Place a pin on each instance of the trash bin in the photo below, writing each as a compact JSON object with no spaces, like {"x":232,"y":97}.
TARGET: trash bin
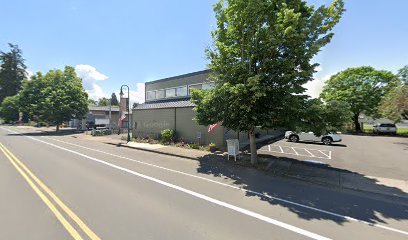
{"x":233,"y":148}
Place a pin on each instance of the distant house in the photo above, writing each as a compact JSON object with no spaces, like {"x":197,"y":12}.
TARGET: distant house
{"x":96,"y":113}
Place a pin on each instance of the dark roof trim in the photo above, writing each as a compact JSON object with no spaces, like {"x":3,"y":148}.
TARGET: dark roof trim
{"x":180,"y":76}
{"x":160,"y":105}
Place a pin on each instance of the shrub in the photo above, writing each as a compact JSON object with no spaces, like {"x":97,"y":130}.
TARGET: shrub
{"x":193,"y":146}
{"x":167,"y":135}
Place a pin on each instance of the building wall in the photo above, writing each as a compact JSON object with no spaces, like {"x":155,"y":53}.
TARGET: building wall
{"x":187,"y":79}
{"x":151,"y":122}
{"x":188,"y":129}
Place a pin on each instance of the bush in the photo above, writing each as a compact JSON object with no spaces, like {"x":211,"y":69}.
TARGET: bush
{"x":167,"y":135}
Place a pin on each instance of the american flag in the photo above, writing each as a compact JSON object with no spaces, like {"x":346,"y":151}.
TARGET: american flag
{"x":121,"y":120}
{"x":212,"y":127}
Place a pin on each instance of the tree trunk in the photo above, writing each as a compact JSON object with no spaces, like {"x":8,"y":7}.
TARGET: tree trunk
{"x":252,"y":144}
{"x":356,"y":123}
{"x":58,"y":127}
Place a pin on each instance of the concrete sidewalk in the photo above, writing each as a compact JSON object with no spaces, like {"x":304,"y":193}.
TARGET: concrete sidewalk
{"x":314,"y":173}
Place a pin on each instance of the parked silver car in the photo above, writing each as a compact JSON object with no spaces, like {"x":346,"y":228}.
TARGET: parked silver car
{"x":385,"y":128}
{"x":311,"y":137}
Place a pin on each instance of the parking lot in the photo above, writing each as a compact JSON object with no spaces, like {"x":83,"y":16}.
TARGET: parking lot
{"x":380,"y":156}
{"x":298,"y":151}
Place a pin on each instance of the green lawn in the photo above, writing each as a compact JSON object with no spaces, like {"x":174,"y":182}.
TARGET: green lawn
{"x":402,"y":131}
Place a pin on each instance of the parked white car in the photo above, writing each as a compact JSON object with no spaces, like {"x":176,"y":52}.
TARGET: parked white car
{"x":385,"y":128}
{"x":311,"y":137}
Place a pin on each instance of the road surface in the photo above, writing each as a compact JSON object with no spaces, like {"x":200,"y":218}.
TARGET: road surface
{"x":67,"y":187}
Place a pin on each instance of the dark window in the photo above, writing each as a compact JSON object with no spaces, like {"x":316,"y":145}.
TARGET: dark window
{"x":387,"y":125}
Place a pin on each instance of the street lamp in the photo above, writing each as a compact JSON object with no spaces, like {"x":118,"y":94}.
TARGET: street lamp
{"x":128,"y":103}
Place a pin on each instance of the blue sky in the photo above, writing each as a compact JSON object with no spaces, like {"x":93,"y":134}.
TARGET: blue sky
{"x":130,"y":42}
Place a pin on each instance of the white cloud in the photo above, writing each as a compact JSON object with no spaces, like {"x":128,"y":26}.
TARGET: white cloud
{"x":138,"y":95}
{"x":90,"y":76}
{"x":315,"y":87}
{"x":319,"y":68}
{"x":29,"y":74}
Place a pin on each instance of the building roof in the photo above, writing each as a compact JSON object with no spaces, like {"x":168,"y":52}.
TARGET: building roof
{"x":180,"y":76}
{"x":103,"y":108}
{"x":165,"y":104}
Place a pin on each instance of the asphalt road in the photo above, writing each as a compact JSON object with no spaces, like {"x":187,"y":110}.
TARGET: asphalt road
{"x":65,"y":187}
{"x":379,"y":156}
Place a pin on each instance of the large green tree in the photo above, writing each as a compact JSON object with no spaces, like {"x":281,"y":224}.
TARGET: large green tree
{"x":55,"y":97}
{"x":12,"y":71}
{"x":261,"y":56}
{"x":9,"y":109}
{"x":362,"y":88}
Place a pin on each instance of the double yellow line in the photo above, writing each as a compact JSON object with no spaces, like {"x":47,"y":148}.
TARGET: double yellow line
{"x":37,"y":186}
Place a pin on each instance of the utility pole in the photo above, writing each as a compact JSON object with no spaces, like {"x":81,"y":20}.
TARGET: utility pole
{"x":128,"y":109}
{"x":110,"y":114}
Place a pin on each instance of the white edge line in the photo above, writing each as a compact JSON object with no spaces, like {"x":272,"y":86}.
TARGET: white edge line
{"x":195,"y":194}
{"x":235,"y":187}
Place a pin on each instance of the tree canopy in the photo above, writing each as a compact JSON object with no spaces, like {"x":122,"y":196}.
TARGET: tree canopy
{"x":261,"y":56}
{"x":103,"y":101}
{"x":362,"y":88}
{"x":395,"y":104}
{"x":12,"y":71}
{"x":114,"y":100}
{"x":55,"y":97}
{"x":323,"y":118}
{"x":403,"y":74}
{"x":91,"y":101}
{"x":9,"y":108}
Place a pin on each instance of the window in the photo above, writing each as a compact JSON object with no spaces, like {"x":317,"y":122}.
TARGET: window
{"x":170,"y":92}
{"x":195,"y":86}
{"x":182,"y":91}
{"x":208,"y":86}
{"x":151,"y":95}
{"x":160,"y":94}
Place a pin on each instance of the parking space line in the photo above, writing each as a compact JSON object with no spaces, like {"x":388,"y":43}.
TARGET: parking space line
{"x":280,"y":148}
{"x":326,"y":154}
{"x":296,"y":153}
{"x":309,"y":153}
{"x":329,"y":157}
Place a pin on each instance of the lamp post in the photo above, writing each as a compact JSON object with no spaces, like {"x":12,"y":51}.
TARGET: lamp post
{"x":128,"y":106}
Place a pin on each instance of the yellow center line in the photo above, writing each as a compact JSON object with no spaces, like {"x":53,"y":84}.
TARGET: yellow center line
{"x":17,"y":164}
